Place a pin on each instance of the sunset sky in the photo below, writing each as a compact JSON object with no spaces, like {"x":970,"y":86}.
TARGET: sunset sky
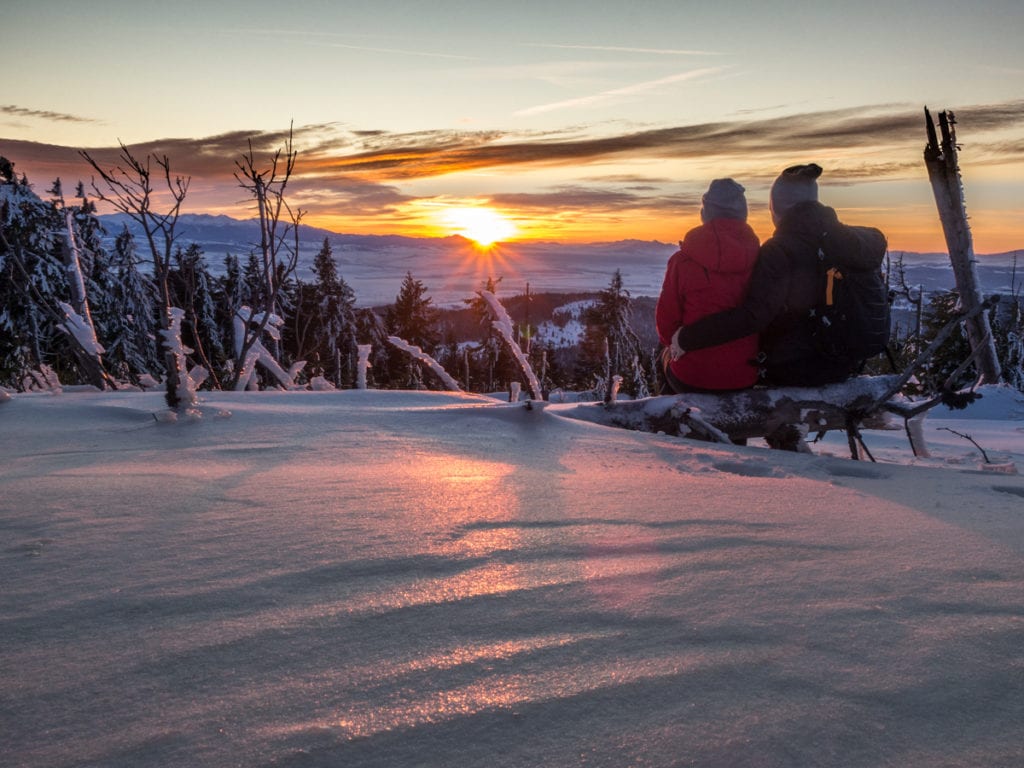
{"x":576,"y":120}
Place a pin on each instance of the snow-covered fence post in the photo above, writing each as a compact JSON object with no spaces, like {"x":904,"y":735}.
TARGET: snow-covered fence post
{"x":423,"y":357}
{"x":364,"y":364}
{"x":502,"y":323}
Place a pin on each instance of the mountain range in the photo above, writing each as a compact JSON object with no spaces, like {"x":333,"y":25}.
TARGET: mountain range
{"x":452,"y":268}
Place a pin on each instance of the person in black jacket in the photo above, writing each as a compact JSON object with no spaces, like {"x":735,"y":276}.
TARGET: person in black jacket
{"x":786,"y":285}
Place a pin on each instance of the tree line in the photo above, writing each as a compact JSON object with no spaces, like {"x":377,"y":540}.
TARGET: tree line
{"x":154,"y":312}
{"x":150,"y":311}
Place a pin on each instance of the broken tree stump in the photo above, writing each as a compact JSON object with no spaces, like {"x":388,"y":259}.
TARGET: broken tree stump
{"x":940,"y":157}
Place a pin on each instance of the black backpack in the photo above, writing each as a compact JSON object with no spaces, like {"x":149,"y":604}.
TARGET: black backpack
{"x":851,"y":320}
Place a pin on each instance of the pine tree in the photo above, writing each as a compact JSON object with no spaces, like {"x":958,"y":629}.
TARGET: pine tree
{"x":942,"y":306}
{"x":192,"y":290}
{"x":1008,"y":329}
{"x":254,"y":284}
{"x":608,"y":320}
{"x":229,"y":295}
{"x":32,"y":283}
{"x":334,"y":330}
{"x":130,"y":335}
{"x":413,"y":319}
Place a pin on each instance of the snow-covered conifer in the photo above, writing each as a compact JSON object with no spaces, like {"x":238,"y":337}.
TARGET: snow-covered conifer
{"x":32,"y":283}
{"x":413,"y":318}
{"x":191,"y":287}
{"x":131,"y":344}
{"x":609,"y":320}
{"x":333,"y":321}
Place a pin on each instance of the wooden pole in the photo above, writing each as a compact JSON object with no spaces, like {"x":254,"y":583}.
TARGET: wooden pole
{"x":944,"y":174}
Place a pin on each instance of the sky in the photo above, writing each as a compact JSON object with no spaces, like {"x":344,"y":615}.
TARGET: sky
{"x":572,"y":121}
{"x":376,"y":579}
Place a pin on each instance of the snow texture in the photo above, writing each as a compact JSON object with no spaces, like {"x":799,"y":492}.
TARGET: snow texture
{"x":383,"y":578}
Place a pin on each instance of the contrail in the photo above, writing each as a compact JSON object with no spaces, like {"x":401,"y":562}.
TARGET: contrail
{"x":616,"y":92}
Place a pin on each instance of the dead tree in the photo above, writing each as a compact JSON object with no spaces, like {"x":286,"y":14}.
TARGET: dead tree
{"x":279,"y":240}
{"x":129,"y":188}
{"x":944,"y":173}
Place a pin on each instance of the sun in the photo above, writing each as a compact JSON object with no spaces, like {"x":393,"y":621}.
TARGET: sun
{"x":484,"y":226}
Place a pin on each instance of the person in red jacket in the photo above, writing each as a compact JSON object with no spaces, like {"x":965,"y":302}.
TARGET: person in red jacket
{"x":710,"y":273}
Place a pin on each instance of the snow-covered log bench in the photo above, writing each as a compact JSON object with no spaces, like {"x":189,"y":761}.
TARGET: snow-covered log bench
{"x":782,"y":415}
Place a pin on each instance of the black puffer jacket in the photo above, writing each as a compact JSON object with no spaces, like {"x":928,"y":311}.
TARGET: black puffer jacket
{"x":785,"y":287}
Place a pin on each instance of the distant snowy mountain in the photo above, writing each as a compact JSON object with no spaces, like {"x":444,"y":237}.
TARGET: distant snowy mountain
{"x":453,"y":268}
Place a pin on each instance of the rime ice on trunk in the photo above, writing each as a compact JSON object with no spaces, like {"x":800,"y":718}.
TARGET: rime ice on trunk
{"x":613,"y":390}
{"x":427,"y":360}
{"x":78,"y":319}
{"x":503,"y":325}
{"x":944,"y":173}
{"x":363,"y":365}
{"x":185,"y":390}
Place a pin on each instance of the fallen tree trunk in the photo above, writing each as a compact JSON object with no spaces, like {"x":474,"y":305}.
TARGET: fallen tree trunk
{"x":761,"y":412}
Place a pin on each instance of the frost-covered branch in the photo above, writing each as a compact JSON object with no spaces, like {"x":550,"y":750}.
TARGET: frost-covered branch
{"x":255,"y":352}
{"x":503,"y":325}
{"x":427,"y":360}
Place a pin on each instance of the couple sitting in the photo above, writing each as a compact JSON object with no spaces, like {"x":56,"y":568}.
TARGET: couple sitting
{"x":732,"y":312}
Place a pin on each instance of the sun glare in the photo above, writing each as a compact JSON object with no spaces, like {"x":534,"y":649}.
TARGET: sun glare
{"x":483,"y":226}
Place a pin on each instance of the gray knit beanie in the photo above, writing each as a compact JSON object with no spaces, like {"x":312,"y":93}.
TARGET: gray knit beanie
{"x":796,"y":184}
{"x":723,"y":200}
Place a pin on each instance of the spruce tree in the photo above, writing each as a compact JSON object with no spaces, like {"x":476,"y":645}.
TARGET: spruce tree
{"x":131,"y":344}
{"x":229,"y":295}
{"x":192,"y":287}
{"x":334,"y":319}
{"x":32,"y":283}
{"x":413,"y":319}
{"x":608,"y":320}
{"x":942,"y":306}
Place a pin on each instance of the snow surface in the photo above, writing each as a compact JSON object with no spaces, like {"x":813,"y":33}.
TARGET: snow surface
{"x":380,"y":578}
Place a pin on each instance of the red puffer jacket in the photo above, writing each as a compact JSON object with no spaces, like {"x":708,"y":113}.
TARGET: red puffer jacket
{"x":709,"y":273}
